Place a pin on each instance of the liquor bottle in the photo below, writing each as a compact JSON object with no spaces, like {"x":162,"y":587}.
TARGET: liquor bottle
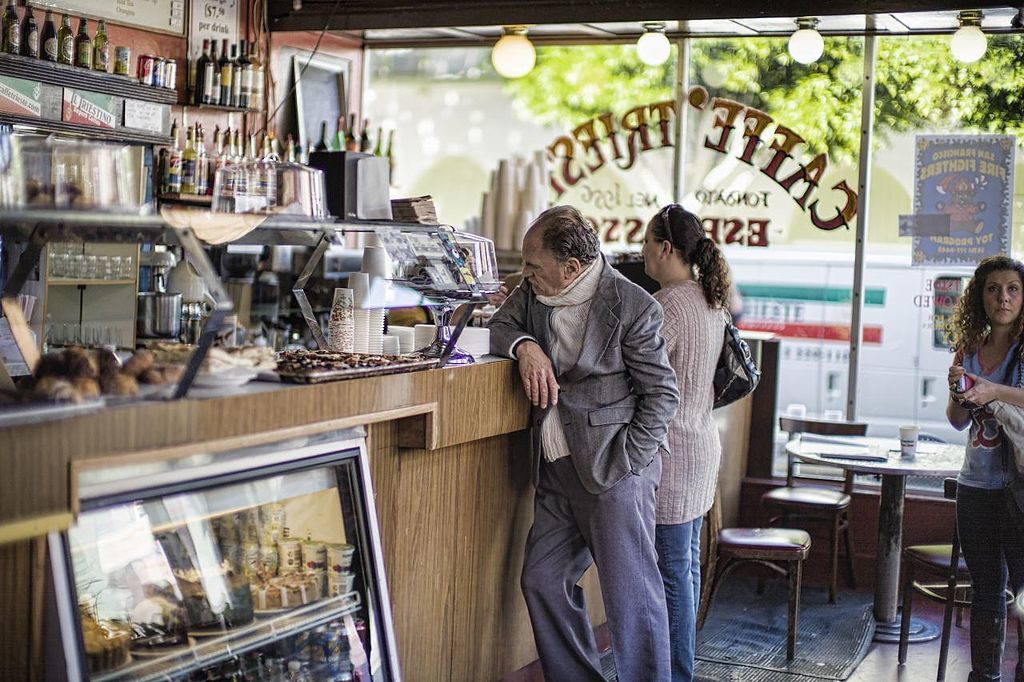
{"x":172,"y":172}
{"x":224,"y":97}
{"x":364,"y":136}
{"x":65,"y":42}
{"x":101,"y":49}
{"x":378,"y":149}
{"x":219,"y":159}
{"x":199,"y":92}
{"x":49,"y":38}
{"x":188,"y":164}
{"x":202,"y":164}
{"x":256,"y":78}
{"x":252,"y":152}
{"x":214,"y":83}
{"x":236,"y":155}
{"x":83,"y":45}
{"x":321,"y":146}
{"x":236,"y":78}
{"x":244,"y":74}
{"x":351,"y":141}
{"x":29,"y":34}
{"x":289,"y":149}
{"x":390,"y":153}
{"x":11,"y":40}
{"x":340,"y":135}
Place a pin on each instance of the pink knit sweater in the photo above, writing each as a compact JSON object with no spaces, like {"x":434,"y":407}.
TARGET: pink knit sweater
{"x":693,"y":334}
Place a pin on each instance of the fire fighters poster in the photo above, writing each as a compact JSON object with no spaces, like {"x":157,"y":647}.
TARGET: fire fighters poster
{"x":967,"y":180}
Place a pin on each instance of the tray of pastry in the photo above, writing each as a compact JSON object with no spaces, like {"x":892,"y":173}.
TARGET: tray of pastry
{"x":316,"y":366}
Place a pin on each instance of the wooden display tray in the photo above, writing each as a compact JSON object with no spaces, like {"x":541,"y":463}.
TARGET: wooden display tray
{"x":317,"y":376}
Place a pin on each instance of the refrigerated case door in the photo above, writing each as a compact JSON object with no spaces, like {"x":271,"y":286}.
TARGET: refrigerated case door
{"x":217,"y":564}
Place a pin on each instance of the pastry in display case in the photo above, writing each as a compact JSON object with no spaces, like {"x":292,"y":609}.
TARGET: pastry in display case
{"x":261,"y":563}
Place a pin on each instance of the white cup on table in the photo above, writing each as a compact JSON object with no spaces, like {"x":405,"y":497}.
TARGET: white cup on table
{"x":908,"y":441}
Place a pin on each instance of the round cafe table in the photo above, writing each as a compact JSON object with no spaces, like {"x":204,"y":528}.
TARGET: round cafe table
{"x":933,"y":459}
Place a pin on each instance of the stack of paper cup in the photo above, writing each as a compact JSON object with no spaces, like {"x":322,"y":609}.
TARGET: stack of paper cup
{"x":359,"y":282}
{"x":341,"y":327}
{"x":375,"y":262}
{"x":390,"y":345}
{"x":406,"y":338}
{"x":375,"y":331}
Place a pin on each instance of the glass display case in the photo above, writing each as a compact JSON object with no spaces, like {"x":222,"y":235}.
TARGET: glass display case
{"x":259,"y":564}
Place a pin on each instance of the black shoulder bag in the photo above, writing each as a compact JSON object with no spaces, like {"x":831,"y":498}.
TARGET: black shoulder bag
{"x":736,"y":374}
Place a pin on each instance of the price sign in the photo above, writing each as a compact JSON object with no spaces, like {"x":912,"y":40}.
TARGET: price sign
{"x":214,"y":20}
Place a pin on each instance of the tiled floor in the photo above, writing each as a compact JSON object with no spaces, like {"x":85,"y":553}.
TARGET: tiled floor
{"x":880,"y":664}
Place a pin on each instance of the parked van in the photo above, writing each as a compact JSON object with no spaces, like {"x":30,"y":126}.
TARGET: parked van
{"x":804,"y":297}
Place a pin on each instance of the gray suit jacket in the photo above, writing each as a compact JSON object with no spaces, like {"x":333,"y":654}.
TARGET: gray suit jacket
{"x":615,"y":403}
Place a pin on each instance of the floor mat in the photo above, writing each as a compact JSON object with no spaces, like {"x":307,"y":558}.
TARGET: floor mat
{"x":744,"y":637}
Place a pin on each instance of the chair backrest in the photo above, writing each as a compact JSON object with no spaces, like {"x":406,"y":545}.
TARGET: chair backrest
{"x":821,"y":427}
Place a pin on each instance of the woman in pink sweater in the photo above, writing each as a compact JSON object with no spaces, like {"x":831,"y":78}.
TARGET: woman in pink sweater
{"x":694,"y":295}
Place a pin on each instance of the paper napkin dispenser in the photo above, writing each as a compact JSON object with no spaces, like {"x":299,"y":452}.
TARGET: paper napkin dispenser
{"x":357,"y":184}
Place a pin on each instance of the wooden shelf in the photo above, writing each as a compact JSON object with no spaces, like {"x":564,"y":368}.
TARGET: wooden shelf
{"x":43,"y":71}
{"x":119,"y":134}
{"x":193,"y":199}
{"x":63,"y":282}
{"x":218,"y":107}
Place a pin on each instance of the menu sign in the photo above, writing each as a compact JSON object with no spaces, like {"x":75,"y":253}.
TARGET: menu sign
{"x":214,"y":20}
{"x":166,"y":16}
{"x":966,"y":180}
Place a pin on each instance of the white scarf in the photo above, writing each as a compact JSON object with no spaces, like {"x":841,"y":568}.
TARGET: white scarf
{"x":568,"y":326}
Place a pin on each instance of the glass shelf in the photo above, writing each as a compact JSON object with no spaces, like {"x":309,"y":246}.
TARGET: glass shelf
{"x":211,"y":651}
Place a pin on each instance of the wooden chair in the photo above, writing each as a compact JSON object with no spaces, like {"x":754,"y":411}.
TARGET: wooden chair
{"x":796,"y":503}
{"x":782,"y":550}
{"x":935,"y":561}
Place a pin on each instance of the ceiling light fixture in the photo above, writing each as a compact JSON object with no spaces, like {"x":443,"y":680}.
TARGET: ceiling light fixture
{"x":513,"y":55}
{"x":653,"y":47}
{"x":806,"y":44}
{"x":968,"y":44}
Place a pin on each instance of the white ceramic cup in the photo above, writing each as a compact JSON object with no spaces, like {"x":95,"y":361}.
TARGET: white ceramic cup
{"x":908,"y":441}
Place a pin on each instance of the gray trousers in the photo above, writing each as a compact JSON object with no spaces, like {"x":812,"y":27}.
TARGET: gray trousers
{"x":614,"y":530}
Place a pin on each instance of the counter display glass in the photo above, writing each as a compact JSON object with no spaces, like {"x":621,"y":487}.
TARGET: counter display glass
{"x":232,"y":572}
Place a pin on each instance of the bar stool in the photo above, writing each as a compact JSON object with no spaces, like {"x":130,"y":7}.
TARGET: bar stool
{"x":795,"y":503}
{"x":782,"y":550}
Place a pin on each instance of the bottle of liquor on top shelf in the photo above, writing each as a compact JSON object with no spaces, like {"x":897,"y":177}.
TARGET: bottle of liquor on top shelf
{"x":199,"y":95}
{"x":224,"y":97}
{"x":364,"y":136}
{"x":65,"y":42}
{"x":321,"y":146}
{"x":83,"y":45}
{"x":101,"y":49}
{"x":10,"y":42}
{"x":245,"y":77}
{"x":214,"y":68}
{"x":49,"y":38}
{"x":29,"y":34}
{"x":236,"y":78}
{"x":351,"y":141}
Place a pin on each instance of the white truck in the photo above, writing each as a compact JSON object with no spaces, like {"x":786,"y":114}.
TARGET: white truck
{"x":804,"y":297}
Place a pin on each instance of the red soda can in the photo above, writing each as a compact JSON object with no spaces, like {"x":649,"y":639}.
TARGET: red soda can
{"x":146,"y":69}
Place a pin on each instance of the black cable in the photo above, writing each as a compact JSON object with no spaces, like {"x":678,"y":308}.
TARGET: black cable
{"x":266,"y":125}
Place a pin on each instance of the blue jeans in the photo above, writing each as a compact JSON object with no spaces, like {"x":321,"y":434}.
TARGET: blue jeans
{"x":678,"y":548}
{"x":992,"y":538}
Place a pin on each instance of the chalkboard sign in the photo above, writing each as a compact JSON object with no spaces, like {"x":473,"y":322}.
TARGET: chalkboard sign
{"x":320,"y":94}
{"x":166,"y":16}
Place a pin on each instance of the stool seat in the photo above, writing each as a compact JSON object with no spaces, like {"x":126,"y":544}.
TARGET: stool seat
{"x":807,"y":497}
{"x":782,"y":543}
{"x":936,"y":557}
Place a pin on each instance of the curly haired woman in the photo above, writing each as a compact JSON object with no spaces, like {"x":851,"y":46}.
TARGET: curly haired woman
{"x":694,"y":295}
{"x":987,"y":330}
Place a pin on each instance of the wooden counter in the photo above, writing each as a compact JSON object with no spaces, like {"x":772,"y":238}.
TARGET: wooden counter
{"x":454,"y":508}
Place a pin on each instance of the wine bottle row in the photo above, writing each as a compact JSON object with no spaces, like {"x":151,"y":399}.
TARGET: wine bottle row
{"x":227,"y":81}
